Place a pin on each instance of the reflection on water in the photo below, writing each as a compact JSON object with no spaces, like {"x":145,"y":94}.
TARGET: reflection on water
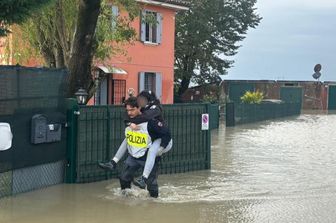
{"x":274,"y":171}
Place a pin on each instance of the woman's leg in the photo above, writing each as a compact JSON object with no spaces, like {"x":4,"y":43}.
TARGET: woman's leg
{"x":121,"y":151}
{"x":153,"y":153}
{"x":167,"y":149}
{"x":151,"y":156}
{"x":111,"y":165}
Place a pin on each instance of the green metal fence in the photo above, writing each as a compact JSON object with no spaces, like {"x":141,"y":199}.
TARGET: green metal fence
{"x":249,"y":113}
{"x":291,"y":94}
{"x":97,"y":132}
{"x":332,"y":97}
{"x":214,"y":116}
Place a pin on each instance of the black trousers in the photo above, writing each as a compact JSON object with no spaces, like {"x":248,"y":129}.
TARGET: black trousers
{"x":132,"y":165}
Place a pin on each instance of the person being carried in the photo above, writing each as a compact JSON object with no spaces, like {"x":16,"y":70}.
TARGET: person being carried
{"x":137,"y":144}
{"x":150,"y":109}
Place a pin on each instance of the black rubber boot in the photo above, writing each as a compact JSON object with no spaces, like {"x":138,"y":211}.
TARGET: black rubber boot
{"x":111,"y":165}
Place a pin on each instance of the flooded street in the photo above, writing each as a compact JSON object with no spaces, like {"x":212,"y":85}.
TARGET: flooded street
{"x":273,"y":171}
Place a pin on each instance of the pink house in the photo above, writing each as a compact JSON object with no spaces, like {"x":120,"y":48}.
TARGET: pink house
{"x":149,"y":62}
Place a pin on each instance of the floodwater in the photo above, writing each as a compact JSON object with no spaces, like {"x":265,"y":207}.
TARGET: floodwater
{"x":274,"y":171}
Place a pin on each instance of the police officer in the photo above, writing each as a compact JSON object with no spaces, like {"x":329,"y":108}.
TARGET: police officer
{"x":151,"y":109}
{"x":137,"y":144}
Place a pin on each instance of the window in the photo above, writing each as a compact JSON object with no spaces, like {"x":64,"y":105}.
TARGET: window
{"x":149,"y":84}
{"x":118,"y":91}
{"x":104,"y":95}
{"x":115,"y":14}
{"x":151,"y":81}
{"x":151,"y":27}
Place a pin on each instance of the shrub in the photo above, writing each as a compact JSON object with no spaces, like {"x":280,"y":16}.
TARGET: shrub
{"x":252,"y":97}
{"x":210,"y":98}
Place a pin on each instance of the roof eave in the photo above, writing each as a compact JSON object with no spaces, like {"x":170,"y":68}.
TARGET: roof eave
{"x":165,"y":5}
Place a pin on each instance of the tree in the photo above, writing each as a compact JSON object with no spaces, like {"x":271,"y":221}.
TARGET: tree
{"x":72,"y":33}
{"x":207,"y":35}
{"x":17,"y":11}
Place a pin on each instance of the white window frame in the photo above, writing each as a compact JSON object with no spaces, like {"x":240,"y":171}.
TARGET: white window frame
{"x":158,"y":29}
{"x":157,"y":83}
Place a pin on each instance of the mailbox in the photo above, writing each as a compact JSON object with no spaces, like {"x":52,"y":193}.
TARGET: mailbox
{"x":54,"y":132}
{"x":39,"y":129}
{"x":44,"y":132}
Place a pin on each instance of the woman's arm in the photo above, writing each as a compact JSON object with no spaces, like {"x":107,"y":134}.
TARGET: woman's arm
{"x":151,"y":113}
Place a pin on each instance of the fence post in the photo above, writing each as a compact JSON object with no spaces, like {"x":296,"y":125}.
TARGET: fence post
{"x":108,"y":133}
{"x":230,"y":114}
{"x":72,"y":118}
{"x":208,"y":141}
{"x":108,"y":142}
{"x":214,"y":116}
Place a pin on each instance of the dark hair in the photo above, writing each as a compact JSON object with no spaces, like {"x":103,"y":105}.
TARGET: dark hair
{"x":145,"y":94}
{"x":131,"y":101}
{"x":150,"y":96}
{"x":155,"y":100}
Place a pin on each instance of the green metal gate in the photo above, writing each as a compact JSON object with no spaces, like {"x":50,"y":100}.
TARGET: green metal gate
{"x":291,"y":94}
{"x":214,"y":116}
{"x":332,"y":97}
{"x":97,"y":131}
{"x":237,"y":90}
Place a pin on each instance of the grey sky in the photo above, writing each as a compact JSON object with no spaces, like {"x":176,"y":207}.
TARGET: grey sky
{"x":293,"y":36}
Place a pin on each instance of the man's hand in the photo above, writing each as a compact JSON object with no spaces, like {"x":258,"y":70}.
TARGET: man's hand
{"x":134,"y":127}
